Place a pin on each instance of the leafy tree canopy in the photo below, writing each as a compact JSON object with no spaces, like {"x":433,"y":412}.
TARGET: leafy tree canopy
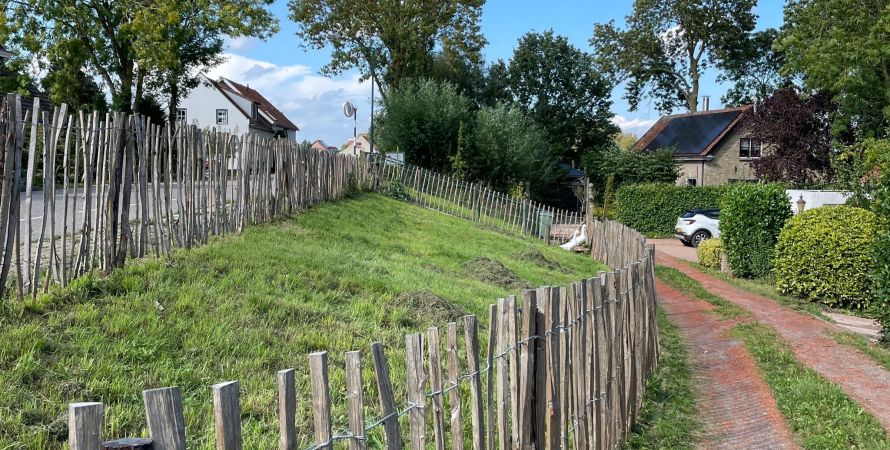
{"x":396,"y":37}
{"x":754,"y":68}
{"x":630,"y":167}
{"x":557,"y":85}
{"x":668,"y":44}
{"x":841,"y":48}
{"x":795,"y":132}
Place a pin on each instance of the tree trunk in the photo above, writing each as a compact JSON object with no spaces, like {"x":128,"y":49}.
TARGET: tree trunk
{"x":173,"y":104}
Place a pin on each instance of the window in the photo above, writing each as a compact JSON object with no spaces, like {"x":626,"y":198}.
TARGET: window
{"x":222,"y":116}
{"x":691,"y":182}
{"x":749,"y":148}
{"x":181,"y":115}
{"x":255,"y":111}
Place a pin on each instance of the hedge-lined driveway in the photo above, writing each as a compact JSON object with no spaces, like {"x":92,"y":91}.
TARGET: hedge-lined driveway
{"x":675,"y":248}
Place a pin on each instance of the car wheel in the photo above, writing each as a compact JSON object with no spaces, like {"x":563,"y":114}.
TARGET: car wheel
{"x":686,"y":243}
{"x":699,"y":236}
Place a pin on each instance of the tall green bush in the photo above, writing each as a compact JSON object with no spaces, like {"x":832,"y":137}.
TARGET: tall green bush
{"x":825,"y":255}
{"x":653,"y":208}
{"x":751,"y":217}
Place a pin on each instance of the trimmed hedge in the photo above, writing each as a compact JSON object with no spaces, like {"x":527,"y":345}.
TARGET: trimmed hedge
{"x":709,"y":253}
{"x":653,"y":208}
{"x":825,"y":255}
{"x":751,"y":217}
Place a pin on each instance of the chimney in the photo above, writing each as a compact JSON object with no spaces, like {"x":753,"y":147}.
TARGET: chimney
{"x":706,"y":103}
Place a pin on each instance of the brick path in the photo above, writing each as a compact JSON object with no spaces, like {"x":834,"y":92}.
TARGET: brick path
{"x":811,"y":339}
{"x":735,"y":404}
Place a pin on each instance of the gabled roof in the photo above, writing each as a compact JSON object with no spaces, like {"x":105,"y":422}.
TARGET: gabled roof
{"x":270,"y":115}
{"x":691,"y":134}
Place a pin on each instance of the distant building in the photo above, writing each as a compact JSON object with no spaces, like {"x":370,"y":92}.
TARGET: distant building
{"x":362,"y":145}
{"x":321,"y":146}
{"x":710,"y":146}
{"x":229,"y":106}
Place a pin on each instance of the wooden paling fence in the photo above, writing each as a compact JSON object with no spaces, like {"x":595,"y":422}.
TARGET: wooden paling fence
{"x":115,"y":185}
{"x":470,"y":201}
{"x":564,"y":367}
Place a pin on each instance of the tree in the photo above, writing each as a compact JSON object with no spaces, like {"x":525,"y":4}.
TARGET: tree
{"x":625,"y":141}
{"x":423,"y":119}
{"x":631,"y":167}
{"x":795,"y":134}
{"x":841,"y":48}
{"x":557,"y":86}
{"x":396,"y":37}
{"x":667,"y":46}
{"x":65,"y":82}
{"x":508,"y":149}
{"x":754,"y":68}
{"x":126,"y":43}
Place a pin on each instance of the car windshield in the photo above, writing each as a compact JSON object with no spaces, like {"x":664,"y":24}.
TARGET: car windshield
{"x":687,"y":214}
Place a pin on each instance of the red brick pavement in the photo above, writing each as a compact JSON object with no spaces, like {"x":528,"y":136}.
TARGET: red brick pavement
{"x":735,"y":404}
{"x":812,"y":341}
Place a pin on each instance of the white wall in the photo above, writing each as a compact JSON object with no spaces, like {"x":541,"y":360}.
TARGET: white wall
{"x":201,"y":105}
{"x":816,"y":199}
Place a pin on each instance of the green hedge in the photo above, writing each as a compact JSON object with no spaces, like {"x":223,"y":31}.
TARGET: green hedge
{"x":653,"y":208}
{"x":751,"y":217}
{"x":825,"y":255}
{"x":709,"y":252}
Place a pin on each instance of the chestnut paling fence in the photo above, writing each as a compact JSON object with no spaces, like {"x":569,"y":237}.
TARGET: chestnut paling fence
{"x":471,"y":201}
{"x":564,"y":367}
{"x":83,"y":191}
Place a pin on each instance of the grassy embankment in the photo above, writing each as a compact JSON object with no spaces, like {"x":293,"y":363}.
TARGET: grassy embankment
{"x":335,"y":278}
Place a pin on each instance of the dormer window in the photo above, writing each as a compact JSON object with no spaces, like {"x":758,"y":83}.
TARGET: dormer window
{"x":255,"y":111}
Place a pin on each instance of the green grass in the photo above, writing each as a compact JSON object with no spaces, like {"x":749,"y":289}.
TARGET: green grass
{"x":876,"y":352}
{"x":668,"y":418}
{"x":763,"y":286}
{"x":818,"y":412}
{"x":242,"y":308}
{"x":681,"y":281}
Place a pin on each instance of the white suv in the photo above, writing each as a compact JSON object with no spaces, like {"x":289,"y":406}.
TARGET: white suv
{"x":696,"y":225}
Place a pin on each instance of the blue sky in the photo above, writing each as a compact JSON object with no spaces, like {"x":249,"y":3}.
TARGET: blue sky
{"x":288,"y":75}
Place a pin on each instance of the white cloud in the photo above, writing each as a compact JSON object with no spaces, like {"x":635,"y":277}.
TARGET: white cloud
{"x":634,"y":125}
{"x":241,"y":43}
{"x":311,"y":101}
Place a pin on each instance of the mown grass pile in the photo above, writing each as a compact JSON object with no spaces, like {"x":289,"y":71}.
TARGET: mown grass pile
{"x":335,"y":278}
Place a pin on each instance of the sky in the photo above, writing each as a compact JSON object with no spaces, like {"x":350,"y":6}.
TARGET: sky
{"x":288,"y":74}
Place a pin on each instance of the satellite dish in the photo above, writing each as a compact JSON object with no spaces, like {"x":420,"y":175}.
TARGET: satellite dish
{"x":348,"y":109}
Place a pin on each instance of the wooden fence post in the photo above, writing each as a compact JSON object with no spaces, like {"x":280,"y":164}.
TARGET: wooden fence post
{"x":163,"y":412}
{"x":227,"y":415}
{"x":287,"y":406}
{"x":354,"y":400}
{"x":416,"y":390}
{"x":457,"y":440}
{"x":391,"y":432}
{"x":471,"y":335}
{"x":85,"y":426}
{"x":321,"y":399}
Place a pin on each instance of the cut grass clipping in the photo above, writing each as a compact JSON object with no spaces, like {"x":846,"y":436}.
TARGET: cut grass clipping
{"x":668,"y":418}
{"x":334,"y":278}
{"x":819,"y":412}
{"x":681,"y":281}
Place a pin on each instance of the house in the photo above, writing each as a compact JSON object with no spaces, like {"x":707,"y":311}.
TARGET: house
{"x":229,"y":106}
{"x":319,"y":145}
{"x":362,"y":145}
{"x":710,"y":146}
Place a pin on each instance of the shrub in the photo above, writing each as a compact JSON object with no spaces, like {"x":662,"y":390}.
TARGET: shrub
{"x":825,"y":255}
{"x":751,"y":217}
{"x":709,"y":253}
{"x":653,"y":208}
{"x":630,"y":167}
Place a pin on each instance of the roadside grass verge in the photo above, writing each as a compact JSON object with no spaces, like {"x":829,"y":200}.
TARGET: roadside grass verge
{"x":819,"y":412}
{"x":763,"y":286}
{"x":875,"y":351}
{"x":336,"y":278}
{"x":668,"y":418}
{"x":681,"y":281}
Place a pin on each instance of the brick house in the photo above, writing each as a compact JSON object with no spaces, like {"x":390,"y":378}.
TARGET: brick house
{"x":710,"y":146}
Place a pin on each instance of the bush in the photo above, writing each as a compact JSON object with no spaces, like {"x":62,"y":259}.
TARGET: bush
{"x":825,"y":255}
{"x":630,"y":167}
{"x":709,"y":252}
{"x":653,"y":208}
{"x":751,"y":217}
